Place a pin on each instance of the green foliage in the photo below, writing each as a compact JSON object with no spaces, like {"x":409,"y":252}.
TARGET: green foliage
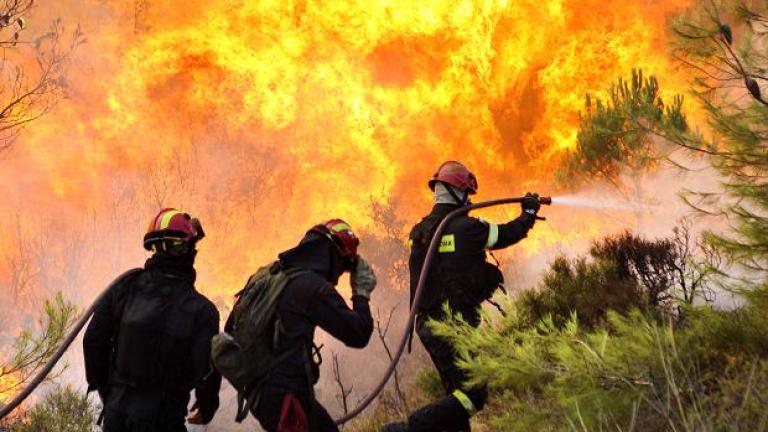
{"x":33,"y":349}
{"x":729,"y":65}
{"x":614,"y":134}
{"x":599,"y":346}
{"x":587,"y":288}
{"x":429,"y":383}
{"x":63,"y":410}
{"x":633,"y":373}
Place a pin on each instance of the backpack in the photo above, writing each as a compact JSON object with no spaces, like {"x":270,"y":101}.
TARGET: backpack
{"x":247,"y":352}
{"x":153,"y":324}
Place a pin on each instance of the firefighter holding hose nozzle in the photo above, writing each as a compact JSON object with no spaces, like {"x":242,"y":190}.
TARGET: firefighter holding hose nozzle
{"x":461,"y":277}
{"x":148,"y":343}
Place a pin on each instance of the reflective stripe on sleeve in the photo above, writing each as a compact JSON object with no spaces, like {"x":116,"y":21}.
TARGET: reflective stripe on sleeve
{"x":493,"y":235}
{"x":465,"y":401}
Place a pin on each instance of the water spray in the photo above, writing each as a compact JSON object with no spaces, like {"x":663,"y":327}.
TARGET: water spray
{"x":41,"y":375}
{"x":583,"y":202}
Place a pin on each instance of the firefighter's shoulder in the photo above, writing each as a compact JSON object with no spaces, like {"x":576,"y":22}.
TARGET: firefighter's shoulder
{"x":466,"y":224}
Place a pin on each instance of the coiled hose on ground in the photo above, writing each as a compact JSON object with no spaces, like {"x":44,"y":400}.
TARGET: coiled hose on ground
{"x":40,"y":376}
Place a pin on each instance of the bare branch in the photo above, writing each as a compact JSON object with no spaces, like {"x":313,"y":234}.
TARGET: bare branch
{"x":343,"y":396}
{"x":30,"y":89}
{"x":382,"y":331}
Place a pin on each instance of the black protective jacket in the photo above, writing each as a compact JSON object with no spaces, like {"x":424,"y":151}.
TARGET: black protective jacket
{"x":310,"y":301}
{"x":188,"y":330}
{"x":460,"y":273}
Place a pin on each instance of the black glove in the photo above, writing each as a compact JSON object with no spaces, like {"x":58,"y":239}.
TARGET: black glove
{"x":531,"y":204}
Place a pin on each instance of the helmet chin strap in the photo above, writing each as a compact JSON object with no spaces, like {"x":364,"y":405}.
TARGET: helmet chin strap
{"x":461,"y":201}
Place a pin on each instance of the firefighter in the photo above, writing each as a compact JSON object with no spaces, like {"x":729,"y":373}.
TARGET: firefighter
{"x":148,"y":343}
{"x":461,"y":276}
{"x":309,"y":300}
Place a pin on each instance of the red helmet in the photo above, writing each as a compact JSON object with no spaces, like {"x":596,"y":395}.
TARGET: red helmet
{"x":172,"y":225}
{"x":455,"y":174}
{"x":341,"y":235}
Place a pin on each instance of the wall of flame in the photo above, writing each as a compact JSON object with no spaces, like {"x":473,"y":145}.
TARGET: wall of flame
{"x":266,"y":117}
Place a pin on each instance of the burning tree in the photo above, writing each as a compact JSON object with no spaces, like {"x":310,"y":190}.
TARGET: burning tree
{"x":32,"y":71}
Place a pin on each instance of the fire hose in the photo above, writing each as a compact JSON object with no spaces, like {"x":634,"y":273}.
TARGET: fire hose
{"x":40,"y":376}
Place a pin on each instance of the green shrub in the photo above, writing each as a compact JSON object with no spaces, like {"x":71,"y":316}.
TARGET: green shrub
{"x":635,"y":372}
{"x":588,"y":288}
{"x":62,"y":410}
{"x":620,"y":273}
{"x":428,"y":382}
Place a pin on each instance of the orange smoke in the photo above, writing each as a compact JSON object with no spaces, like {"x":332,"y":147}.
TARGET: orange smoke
{"x":264,"y":118}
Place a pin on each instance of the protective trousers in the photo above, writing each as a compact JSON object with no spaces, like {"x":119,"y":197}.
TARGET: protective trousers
{"x":452,"y":412}
{"x":115,"y":421}
{"x":275,"y":414}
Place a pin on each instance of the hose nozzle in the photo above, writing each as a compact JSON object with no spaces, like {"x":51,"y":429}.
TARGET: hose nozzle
{"x":545,"y":200}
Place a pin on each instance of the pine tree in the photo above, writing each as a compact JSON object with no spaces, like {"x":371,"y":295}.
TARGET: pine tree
{"x":730,"y":69}
{"x":615,"y":141}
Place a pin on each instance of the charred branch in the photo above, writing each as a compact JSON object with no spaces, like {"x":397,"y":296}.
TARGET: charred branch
{"x":32,"y":71}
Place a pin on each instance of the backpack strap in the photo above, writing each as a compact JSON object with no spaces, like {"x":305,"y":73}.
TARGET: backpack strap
{"x":126,"y":279}
{"x":122,"y":280}
{"x":307,"y":360}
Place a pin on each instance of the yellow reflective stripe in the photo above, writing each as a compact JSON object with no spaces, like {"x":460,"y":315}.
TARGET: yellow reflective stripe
{"x":341,"y":227}
{"x":465,"y":401}
{"x":166,"y":219}
{"x":493,"y":235}
{"x":447,"y":244}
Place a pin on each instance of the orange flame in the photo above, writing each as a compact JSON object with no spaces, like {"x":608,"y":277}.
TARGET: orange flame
{"x":264,"y":118}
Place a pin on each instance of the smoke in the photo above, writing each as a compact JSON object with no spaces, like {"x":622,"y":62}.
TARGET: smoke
{"x":264,"y":119}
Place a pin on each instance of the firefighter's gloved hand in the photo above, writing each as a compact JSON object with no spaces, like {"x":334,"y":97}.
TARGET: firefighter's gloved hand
{"x":362,"y":279}
{"x":531,"y":204}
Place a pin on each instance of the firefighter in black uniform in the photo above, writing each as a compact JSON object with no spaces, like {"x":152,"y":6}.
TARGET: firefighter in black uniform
{"x":310,"y":300}
{"x":149,"y":341}
{"x":460,"y":276}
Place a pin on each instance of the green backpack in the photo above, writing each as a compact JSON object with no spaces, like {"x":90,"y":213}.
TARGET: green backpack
{"x":247,"y":353}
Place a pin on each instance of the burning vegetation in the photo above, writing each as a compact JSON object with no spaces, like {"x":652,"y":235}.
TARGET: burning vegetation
{"x":264,"y":118}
